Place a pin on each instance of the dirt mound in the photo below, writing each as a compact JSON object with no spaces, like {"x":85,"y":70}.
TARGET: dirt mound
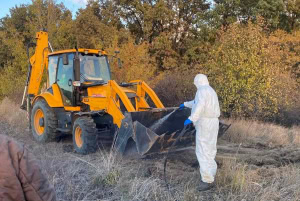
{"x":258,"y":155}
{"x":261,"y":155}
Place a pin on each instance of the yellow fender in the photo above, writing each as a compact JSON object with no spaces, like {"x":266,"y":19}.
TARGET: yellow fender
{"x":53,"y":100}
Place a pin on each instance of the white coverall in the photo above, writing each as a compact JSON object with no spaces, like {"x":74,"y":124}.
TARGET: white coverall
{"x":204,"y":115}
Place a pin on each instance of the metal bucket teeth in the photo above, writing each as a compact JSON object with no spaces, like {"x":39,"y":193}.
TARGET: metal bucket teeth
{"x":151,"y":142}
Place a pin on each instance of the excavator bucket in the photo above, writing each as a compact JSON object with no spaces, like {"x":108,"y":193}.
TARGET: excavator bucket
{"x":155,"y":131}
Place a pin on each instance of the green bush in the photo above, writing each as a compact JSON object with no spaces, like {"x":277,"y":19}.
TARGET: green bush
{"x":248,"y":73}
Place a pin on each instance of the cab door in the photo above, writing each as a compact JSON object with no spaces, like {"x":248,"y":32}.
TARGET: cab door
{"x":65,"y":78}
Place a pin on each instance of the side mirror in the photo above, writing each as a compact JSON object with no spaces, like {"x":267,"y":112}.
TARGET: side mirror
{"x":119,"y":63}
{"x":65,"y":59}
{"x":76,"y":67}
{"x":119,"y":60}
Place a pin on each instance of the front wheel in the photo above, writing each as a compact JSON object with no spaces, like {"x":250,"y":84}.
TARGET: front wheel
{"x":85,"y":135}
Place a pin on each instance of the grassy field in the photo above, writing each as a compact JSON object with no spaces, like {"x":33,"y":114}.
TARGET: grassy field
{"x":257,"y":161}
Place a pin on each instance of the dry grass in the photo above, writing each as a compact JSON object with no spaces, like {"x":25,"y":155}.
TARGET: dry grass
{"x":242,"y":131}
{"x":236,"y":177}
{"x":104,"y":176}
{"x":259,"y":184}
{"x":11,"y":113}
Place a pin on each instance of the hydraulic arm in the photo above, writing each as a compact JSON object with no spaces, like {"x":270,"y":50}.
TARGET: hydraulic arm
{"x":37,"y":63}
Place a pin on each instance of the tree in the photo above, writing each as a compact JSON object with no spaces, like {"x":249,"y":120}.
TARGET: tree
{"x":277,"y":14}
{"x":19,"y":28}
{"x":168,"y":26}
{"x":92,"y":29}
{"x":290,"y":19}
{"x":249,"y":73}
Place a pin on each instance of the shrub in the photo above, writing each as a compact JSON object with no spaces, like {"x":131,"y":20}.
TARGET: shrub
{"x":175,"y":88}
{"x":250,"y":75}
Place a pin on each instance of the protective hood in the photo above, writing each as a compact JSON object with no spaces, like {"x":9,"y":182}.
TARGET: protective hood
{"x":201,"y":80}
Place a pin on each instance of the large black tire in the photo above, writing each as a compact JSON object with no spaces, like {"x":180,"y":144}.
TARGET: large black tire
{"x":43,"y":122}
{"x":85,"y":135}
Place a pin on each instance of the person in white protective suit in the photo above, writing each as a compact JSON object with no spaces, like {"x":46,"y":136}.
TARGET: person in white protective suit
{"x":204,"y":116}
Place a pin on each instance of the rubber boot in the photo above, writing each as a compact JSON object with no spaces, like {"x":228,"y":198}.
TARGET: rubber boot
{"x":203,"y":186}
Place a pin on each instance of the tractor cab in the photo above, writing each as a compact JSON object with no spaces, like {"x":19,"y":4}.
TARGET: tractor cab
{"x":93,"y":70}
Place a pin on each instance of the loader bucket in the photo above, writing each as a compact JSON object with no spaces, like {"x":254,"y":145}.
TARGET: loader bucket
{"x":154,"y":131}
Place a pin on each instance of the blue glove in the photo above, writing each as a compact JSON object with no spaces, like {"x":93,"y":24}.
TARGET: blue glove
{"x":181,"y":106}
{"x":187,"y":122}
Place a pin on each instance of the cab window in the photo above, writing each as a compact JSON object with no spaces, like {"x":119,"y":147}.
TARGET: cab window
{"x":94,"y":68}
{"x":52,"y":68}
{"x":65,"y":79}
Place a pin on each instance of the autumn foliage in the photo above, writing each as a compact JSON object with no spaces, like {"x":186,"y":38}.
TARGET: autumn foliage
{"x":251,"y":53}
{"x":251,"y":71}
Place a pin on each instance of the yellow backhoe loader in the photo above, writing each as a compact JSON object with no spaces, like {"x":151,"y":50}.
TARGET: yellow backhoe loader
{"x":82,"y":100}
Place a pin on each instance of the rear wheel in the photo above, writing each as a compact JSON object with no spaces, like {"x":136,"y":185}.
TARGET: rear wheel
{"x":43,"y":122}
{"x":85,"y":135}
